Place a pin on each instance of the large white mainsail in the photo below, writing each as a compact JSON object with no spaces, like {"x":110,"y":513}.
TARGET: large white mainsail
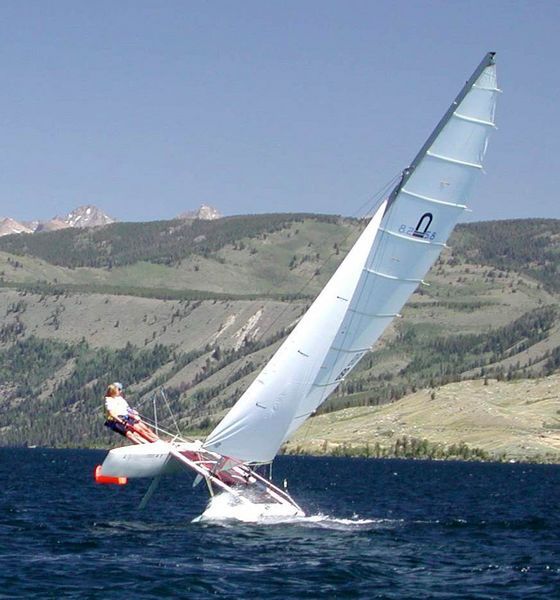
{"x":382,"y":270}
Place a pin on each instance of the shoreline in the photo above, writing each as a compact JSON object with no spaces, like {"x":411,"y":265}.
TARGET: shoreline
{"x":357,"y":452}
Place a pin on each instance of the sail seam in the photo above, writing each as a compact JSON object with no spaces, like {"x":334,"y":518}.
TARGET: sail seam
{"x":373,"y":316}
{"x":474,"y":120}
{"x":409,"y":238}
{"x":434,"y":200}
{"x":350,"y":351}
{"x":303,"y":415}
{"x":394,"y":277}
{"x":455,"y":161}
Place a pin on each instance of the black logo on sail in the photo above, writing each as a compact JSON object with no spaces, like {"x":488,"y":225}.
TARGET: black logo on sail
{"x":423,"y":225}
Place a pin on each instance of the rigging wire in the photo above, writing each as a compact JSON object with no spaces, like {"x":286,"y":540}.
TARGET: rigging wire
{"x":170,"y":411}
{"x":154,"y":405}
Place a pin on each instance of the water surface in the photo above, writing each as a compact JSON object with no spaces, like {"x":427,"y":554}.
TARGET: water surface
{"x":376,"y":529}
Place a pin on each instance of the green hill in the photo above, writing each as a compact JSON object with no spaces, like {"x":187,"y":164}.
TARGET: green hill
{"x":482,"y":419}
{"x":528,"y":246}
{"x":158,"y":242}
{"x":261,"y":255}
{"x":199,"y":307}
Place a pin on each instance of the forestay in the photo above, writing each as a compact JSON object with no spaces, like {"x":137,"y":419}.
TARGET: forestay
{"x":370,"y":287}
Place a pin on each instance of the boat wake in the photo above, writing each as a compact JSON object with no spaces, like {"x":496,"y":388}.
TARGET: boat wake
{"x":353,"y":523}
{"x":225,"y":509}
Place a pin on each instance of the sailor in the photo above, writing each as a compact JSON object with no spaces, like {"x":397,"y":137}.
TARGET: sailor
{"x":116,"y":408}
{"x":131,"y":413}
{"x":123,"y":419}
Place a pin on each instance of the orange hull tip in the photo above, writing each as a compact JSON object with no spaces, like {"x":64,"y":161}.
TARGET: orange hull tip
{"x":108,"y":480}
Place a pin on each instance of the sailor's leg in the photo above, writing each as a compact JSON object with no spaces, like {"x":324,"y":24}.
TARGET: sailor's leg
{"x":135,"y":437}
{"x":145,"y":431}
{"x":142,"y":430}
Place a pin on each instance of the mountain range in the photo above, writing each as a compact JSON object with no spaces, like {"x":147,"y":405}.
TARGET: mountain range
{"x":86,"y":217}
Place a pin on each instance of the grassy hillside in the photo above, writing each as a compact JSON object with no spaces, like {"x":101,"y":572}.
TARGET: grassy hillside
{"x":267,"y":258}
{"x":216,"y":308}
{"x":158,"y":242}
{"x":528,"y":246}
{"x":516,"y":420}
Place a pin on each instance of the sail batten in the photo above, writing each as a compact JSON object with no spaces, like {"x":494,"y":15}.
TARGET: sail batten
{"x":433,"y":200}
{"x":414,"y":240}
{"x":387,"y":276}
{"x":350,"y":350}
{"x":372,"y":284}
{"x":488,"y":89}
{"x":454,"y":160}
{"x":474,"y":120}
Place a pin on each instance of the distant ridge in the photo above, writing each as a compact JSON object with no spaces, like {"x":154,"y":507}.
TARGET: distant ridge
{"x":8,"y":226}
{"x":81,"y":217}
{"x":203,"y":213}
{"x":53,"y":225}
{"x":32,"y":224}
{"x":89,"y":215}
{"x":86,"y":216}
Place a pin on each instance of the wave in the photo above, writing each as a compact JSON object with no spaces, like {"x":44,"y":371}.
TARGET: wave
{"x":225,"y":509}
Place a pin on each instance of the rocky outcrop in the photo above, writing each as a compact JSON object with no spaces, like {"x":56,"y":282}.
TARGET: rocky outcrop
{"x":9,"y":226}
{"x":204,"y":213}
{"x":52,"y":225}
{"x":86,"y":216}
{"x":83,"y":216}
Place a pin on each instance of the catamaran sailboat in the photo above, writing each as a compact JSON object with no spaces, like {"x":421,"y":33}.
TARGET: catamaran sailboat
{"x":384,"y":267}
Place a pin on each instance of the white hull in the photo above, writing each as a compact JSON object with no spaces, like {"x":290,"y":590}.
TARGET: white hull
{"x":247,"y":494}
{"x":228,"y":508}
{"x":143,"y":460}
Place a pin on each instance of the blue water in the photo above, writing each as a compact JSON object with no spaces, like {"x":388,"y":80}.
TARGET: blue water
{"x":377,"y":529}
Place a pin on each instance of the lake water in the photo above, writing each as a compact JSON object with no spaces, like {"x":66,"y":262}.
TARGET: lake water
{"x":377,"y":529}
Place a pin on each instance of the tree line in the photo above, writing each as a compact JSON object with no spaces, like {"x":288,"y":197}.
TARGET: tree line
{"x":163,"y":242}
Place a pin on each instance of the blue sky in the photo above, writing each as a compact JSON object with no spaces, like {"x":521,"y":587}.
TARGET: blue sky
{"x":147,"y":109}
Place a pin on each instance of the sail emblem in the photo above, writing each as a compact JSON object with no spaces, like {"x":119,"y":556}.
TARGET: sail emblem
{"x":421,"y":230}
{"x":424,"y":221}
